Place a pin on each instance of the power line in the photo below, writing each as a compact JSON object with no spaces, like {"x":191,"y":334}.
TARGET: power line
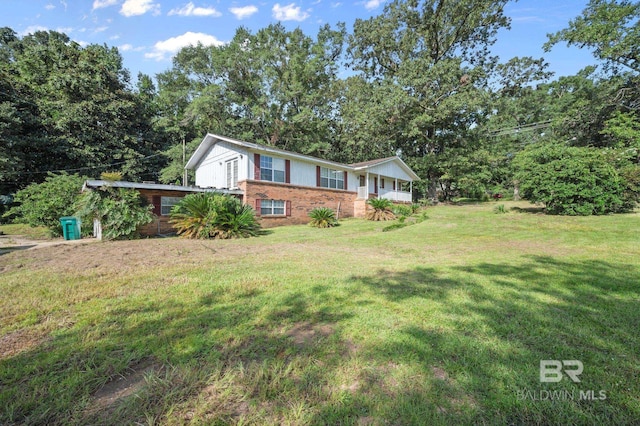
{"x":90,"y":167}
{"x":521,"y":128}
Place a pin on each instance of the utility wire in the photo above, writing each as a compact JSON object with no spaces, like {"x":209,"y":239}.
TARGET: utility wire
{"x":90,"y":167}
{"x":522,"y":128}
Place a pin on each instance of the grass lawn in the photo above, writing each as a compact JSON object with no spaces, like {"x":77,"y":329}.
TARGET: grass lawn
{"x":442,"y":322}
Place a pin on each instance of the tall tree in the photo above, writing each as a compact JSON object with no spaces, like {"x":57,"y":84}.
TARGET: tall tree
{"x":64,"y":107}
{"x":431,"y":59}
{"x":274,"y":87}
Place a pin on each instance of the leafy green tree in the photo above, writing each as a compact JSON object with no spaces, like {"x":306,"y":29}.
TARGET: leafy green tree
{"x":68,"y":107}
{"x":610,"y":29}
{"x":274,"y":87}
{"x":43,"y":204}
{"x":572,"y":180}
{"x":429,"y":61}
{"x":121,"y":211}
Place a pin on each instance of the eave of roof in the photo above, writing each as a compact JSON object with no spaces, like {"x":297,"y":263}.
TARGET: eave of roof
{"x":153,"y":186}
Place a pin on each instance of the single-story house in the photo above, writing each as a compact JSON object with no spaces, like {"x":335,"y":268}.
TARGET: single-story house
{"x":162,"y":197}
{"x":283,"y":186}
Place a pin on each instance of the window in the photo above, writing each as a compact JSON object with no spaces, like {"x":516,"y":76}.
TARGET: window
{"x":166,"y":203}
{"x":272,"y":169}
{"x":232,"y":173}
{"x":331,"y":178}
{"x":272,"y":207}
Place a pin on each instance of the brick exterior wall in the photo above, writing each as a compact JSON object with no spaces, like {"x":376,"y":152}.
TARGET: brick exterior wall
{"x":160,"y":224}
{"x":303,"y":199}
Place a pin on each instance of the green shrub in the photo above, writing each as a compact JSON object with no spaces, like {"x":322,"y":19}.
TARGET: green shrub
{"x":322,"y":217}
{"x":402,"y":210}
{"x":572,"y":180}
{"x":214,"y":215}
{"x":380,"y":209}
{"x":500,"y":209}
{"x":121,"y":211}
{"x":43,"y":204}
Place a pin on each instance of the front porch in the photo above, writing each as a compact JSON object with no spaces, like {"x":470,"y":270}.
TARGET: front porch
{"x":378,"y":186}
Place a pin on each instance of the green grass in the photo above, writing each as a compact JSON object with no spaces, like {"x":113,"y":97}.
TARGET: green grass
{"x":36,"y":233}
{"x":442,"y":322}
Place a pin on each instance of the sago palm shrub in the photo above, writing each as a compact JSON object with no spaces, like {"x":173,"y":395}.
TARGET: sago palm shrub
{"x":213,"y":215}
{"x":323,"y":217}
{"x":234,"y":220}
{"x":380,"y":209}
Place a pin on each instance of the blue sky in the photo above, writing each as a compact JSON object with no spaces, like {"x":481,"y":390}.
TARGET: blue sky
{"x":149,"y":32}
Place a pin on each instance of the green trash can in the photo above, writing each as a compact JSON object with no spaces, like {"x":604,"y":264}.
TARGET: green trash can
{"x":71,"y":228}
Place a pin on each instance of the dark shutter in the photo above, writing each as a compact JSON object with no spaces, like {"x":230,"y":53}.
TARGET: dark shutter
{"x":317,"y":175}
{"x":375,"y":185}
{"x":394,"y":185}
{"x":382,"y":183}
{"x":345,"y":181}
{"x":156,"y":200}
{"x":258,"y":205}
{"x":256,"y":166}
{"x":287,"y":171}
{"x":287,"y":208}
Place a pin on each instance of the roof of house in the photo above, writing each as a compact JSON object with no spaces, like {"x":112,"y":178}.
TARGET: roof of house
{"x":211,"y":139}
{"x":91,"y":183}
{"x":371,"y":162}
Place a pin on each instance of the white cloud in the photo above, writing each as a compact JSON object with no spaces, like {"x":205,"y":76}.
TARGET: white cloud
{"x":373,"y":4}
{"x":49,"y":6}
{"x":99,"y":4}
{"x":33,"y":29}
{"x":171,"y":46}
{"x":139,"y":7}
{"x":243,"y":12}
{"x":64,"y":30}
{"x":290,"y":12}
{"x":191,"y":10}
{"x":100,"y":29}
{"x":125,"y":47}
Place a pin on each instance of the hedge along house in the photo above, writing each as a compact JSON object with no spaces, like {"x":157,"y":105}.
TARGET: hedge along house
{"x":283,"y":186}
{"x":161,"y":197}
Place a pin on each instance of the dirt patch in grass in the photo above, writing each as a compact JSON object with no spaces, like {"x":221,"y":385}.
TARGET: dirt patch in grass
{"x":19,"y":341}
{"x":124,"y":256}
{"x":106,"y":399}
{"x":305,"y":333}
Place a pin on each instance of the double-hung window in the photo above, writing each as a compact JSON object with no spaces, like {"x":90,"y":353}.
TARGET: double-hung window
{"x":232,"y":173}
{"x":166,"y":203}
{"x":330,"y":178}
{"x":272,"y":169}
{"x":272,"y":208}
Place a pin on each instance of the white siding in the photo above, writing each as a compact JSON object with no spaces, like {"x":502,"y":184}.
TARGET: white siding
{"x":390,"y":169}
{"x":211,"y":172}
{"x":303,"y":173}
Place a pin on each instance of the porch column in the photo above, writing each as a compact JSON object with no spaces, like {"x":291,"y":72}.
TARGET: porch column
{"x":411,"y":191}
{"x":395,"y":187}
{"x":367,"y":186}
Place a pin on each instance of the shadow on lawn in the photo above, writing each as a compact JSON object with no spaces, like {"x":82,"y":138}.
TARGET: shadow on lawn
{"x":464,"y":341}
{"x":496,"y":321}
